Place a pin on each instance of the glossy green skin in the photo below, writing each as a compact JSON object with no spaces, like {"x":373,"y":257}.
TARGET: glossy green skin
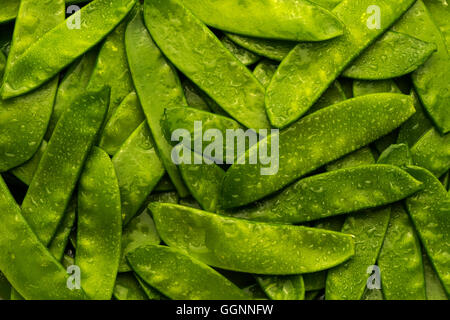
{"x":432,"y":152}
{"x":194,"y":96}
{"x":264,"y":71}
{"x":243,"y":55}
{"x":404,"y":57}
{"x":310,"y":68}
{"x":99,"y":229}
{"x":158,"y":88}
{"x":312,"y":142}
{"x":283,"y":287}
{"x":59,"y":242}
{"x":128,"y":288}
{"x":139,"y":232}
{"x":440,"y":12}
{"x":188,"y":43}
{"x":397,"y":154}
{"x":123,"y":121}
{"x":58,"y":171}
{"x":334,"y":193}
{"x":138,"y":170}
{"x":247,"y":246}
{"x":430,"y":212}
{"x":18,"y":141}
{"x":73,"y":84}
{"x":267,"y":19}
{"x":25,"y":261}
{"x":61,"y":46}
{"x":433,"y":286}
{"x":431,"y":80}
{"x":179,"y":276}
{"x":26,"y":171}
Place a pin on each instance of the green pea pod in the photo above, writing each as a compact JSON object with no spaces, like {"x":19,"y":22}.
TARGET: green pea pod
{"x":434,"y":288}
{"x":320,"y":138}
{"x":140,"y":231}
{"x":193,"y":96}
{"x":310,"y":68}
{"x":124,"y":120}
{"x":440,"y":12}
{"x":407,"y":55}
{"x":162,"y":267}
{"x":99,"y":230}
{"x":62,"y":45}
{"x":157,"y":86}
{"x":228,"y":82}
{"x":430,"y":212}
{"x":397,"y":154}
{"x":128,"y":288}
{"x":264,"y":71}
{"x":9,"y":10}
{"x":267,"y":19}
{"x":138,"y":170}
{"x":283,"y":287}
{"x":333,"y":95}
{"x":25,"y":261}
{"x":151,"y":292}
{"x":246,"y":246}
{"x":26,"y":171}
{"x":360,"y":157}
{"x":24,"y":120}
{"x":432,"y":152}
{"x":246,"y":57}
{"x":333,"y":193}
{"x":61,"y":164}
{"x":431,"y":80}
{"x":59,"y":242}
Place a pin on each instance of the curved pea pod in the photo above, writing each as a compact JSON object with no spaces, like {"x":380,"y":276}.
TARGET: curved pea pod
{"x":333,"y":193}
{"x":180,"y":277}
{"x":283,"y":287}
{"x":432,"y":152}
{"x":310,"y":68}
{"x":430,"y":212}
{"x":398,"y":54}
{"x":188,"y":43}
{"x":157,"y":86}
{"x":264,"y":71}
{"x":397,"y":154}
{"x":433,"y":286}
{"x":123,"y":121}
{"x":60,"y":46}
{"x":138,"y":170}
{"x":246,"y":246}
{"x":267,"y":19}
{"x":440,"y":12}
{"x":127,"y":287}
{"x":246,"y":57}
{"x":62,"y":162}
{"x":25,"y":261}
{"x":311,"y":143}
{"x":431,"y":80}
{"x":99,"y":229}
{"x":138,"y":232}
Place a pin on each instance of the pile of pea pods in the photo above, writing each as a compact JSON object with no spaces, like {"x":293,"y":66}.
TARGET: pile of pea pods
{"x":354,"y":97}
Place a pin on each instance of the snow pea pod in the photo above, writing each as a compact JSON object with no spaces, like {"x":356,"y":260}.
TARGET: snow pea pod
{"x":360,"y":157}
{"x":180,"y":277}
{"x":310,"y":68}
{"x":138,"y":170}
{"x":397,"y":154}
{"x":26,"y":171}
{"x":431,"y":80}
{"x":267,"y":19}
{"x":283,"y":287}
{"x":157,"y":86}
{"x":25,"y":261}
{"x":433,"y":286}
{"x":429,"y":210}
{"x":333,"y":95}
{"x":432,"y":152}
{"x":243,"y":55}
{"x":440,"y":12}
{"x":128,"y":288}
{"x":60,"y":46}
{"x":124,"y":120}
{"x":264,"y":71}
{"x":9,"y":10}
{"x":247,"y":246}
{"x":188,"y":43}
{"x":193,"y":96}
{"x":316,"y":140}
{"x":61,"y":164}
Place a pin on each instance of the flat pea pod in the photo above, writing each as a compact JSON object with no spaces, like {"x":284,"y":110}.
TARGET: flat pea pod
{"x":60,"y":46}
{"x":62,"y":162}
{"x":357,"y":158}
{"x":283,"y":287}
{"x":157,"y":86}
{"x":430,"y":212}
{"x":396,"y":154}
{"x":229,"y":82}
{"x":334,"y":193}
{"x":311,"y":143}
{"x":433,"y":286}
{"x":26,"y":171}
{"x":243,"y":55}
{"x":267,"y":19}
{"x":138,"y":170}
{"x":407,"y":55}
{"x":247,"y":246}
{"x":431,"y":80}
{"x":123,"y":121}
{"x":310,"y":68}
{"x":25,"y":261}
{"x":128,"y":288}
{"x":264,"y":71}
{"x":99,"y":228}
{"x":440,"y":12}
{"x":432,"y":152}
{"x":179,"y":276}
